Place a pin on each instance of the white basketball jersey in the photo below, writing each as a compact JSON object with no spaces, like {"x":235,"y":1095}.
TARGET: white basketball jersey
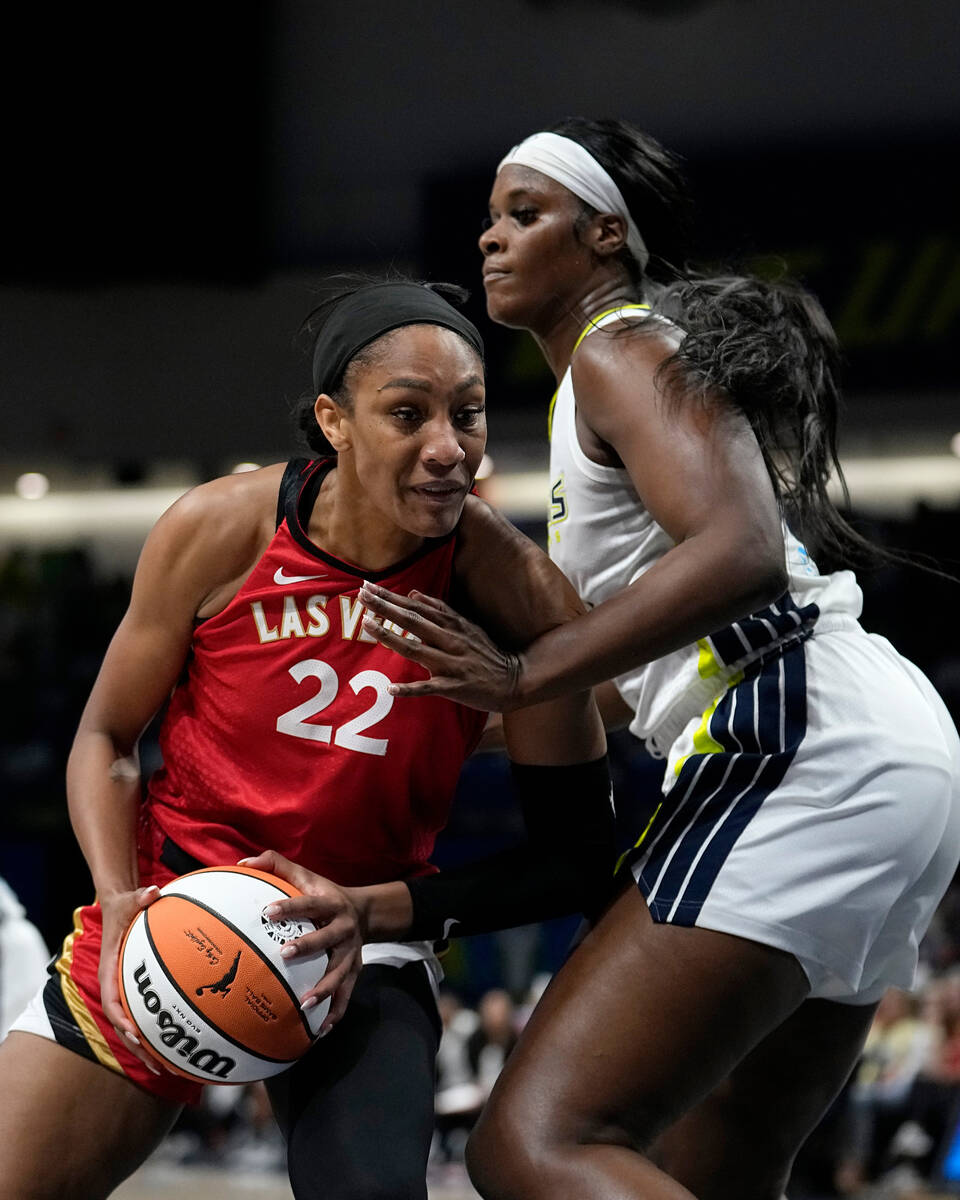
{"x":602,"y":538}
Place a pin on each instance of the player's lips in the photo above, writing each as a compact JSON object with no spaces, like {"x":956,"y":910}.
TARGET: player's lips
{"x":492,"y":274}
{"x":440,"y":493}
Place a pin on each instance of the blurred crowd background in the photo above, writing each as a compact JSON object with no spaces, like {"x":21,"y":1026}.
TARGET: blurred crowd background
{"x":178,"y":186}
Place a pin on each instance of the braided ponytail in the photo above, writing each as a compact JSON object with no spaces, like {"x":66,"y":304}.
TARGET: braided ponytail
{"x":770,"y":349}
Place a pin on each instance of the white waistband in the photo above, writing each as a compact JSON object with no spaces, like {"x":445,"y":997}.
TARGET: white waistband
{"x":398,"y":954}
{"x":702,"y":692}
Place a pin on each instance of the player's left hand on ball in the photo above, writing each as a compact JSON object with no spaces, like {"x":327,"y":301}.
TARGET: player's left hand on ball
{"x":339,"y":934}
{"x":464,"y":664}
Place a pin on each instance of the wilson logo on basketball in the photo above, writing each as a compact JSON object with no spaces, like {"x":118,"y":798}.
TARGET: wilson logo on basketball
{"x":174,"y":1036}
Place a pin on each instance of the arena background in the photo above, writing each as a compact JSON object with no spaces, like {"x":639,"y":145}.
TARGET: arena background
{"x":178,"y":181}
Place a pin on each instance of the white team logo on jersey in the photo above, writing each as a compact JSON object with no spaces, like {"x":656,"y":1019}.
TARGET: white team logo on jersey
{"x":279,"y":578}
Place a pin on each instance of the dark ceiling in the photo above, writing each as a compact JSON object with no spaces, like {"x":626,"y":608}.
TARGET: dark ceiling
{"x":174,"y":180}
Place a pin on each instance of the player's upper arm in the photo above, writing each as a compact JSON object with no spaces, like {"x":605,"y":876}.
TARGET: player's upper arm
{"x":695,"y":463}
{"x":516,"y":593}
{"x":190,"y":549}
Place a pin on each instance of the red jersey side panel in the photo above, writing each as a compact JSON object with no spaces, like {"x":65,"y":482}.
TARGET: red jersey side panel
{"x":283,"y":735}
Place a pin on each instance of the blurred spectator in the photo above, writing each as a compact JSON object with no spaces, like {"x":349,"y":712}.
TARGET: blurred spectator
{"x":897,"y":1048}
{"x":518,"y":951}
{"x":493,"y":1039}
{"x":459,"y":1098}
{"x":935,"y":1092}
{"x":23,"y":958}
{"x":538,"y":986}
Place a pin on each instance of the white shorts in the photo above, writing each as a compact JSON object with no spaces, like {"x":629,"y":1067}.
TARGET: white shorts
{"x":814,"y":807}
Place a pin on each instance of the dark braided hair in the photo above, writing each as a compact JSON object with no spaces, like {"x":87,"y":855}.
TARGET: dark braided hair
{"x":337,"y":288}
{"x":651,"y":182}
{"x":769,"y":348}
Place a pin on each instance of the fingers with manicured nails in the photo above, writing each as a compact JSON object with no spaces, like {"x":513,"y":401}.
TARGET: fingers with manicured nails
{"x":113,"y":1011}
{"x":321,"y":941}
{"x":425,"y":687}
{"x":332,"y":980}
{"x":426,"y":621}
{"x":338,"y":1005}
{"x":275,"y":864}
{"x":118,"y":912}
{"x":418,"y":651}
{"x":338,"y":984}
{"x":432,"y":602}
{"x":464,"y":663}
{"x":339,"y":936}
{"x":310,"y":906}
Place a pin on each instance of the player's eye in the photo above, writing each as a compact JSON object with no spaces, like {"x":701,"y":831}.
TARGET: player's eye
{"x":406,"y":415}
{"x":467,"y":418}
{"x":524,"y":216}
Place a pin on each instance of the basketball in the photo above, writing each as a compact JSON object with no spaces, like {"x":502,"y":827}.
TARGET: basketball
{"x":202,"y":979}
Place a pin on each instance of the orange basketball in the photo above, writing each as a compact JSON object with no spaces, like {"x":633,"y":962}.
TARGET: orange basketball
{"x":202,"y":979}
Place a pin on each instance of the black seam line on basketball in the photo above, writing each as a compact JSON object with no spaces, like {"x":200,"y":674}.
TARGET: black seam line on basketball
{"x":186,"y":999}
{"x":202,"y":1015}
{"x":246,"y":941}
{"x":220,"y":917}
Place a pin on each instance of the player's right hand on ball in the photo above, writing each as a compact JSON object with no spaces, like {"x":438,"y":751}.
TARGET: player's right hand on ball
{"x":118,"y":911}
{"x":339,"y":934}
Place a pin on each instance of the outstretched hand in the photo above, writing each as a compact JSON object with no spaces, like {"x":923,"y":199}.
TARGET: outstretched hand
{"x":464,"y":664}
{"x":339,"y":934}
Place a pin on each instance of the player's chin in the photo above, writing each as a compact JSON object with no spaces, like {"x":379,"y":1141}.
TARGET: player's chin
{"x":435,"y":515}
{"x":506,"y":310}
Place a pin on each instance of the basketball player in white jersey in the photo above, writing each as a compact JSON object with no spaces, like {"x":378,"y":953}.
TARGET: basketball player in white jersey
{"x":811,"y":812}
{"x":23,"y":957}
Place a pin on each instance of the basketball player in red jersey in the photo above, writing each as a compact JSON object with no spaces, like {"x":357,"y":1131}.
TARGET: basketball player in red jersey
{"x":283,"y":735}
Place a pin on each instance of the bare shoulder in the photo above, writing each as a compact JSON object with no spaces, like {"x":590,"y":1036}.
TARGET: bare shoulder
{"x":625,"y":350}
{"x":509,"y":583}
{"x":484,"y":529}
{"x":230,"y":511}
{"x":625,"y":399}
{"x":214,"y":534}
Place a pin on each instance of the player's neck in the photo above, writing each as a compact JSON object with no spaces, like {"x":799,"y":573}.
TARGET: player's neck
{"x":559,"y":337}
{"x":346,"y":525}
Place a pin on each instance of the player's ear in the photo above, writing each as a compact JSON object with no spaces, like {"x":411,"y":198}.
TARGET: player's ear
{"x":330,"y":418}
{"x":607,"y":234}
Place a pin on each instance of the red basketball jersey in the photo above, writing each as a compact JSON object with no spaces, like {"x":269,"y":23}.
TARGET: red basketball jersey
{"x":283,"y":735}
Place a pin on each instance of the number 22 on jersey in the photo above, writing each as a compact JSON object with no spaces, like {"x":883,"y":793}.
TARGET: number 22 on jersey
{"x":296,"y":721}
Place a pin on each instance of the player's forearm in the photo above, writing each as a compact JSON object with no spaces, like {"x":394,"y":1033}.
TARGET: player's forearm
{"x":516,"y":887}
{"x":565,"y":866}
{"x":385,"y":910}
{"x":669,"y":607}
{"x":103,"y":797}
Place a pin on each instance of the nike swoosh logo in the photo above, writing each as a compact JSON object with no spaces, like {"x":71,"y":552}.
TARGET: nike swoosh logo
{"x":280,"y":579}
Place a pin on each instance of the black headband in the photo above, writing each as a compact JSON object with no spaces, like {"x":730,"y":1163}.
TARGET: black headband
{"x":372,"y":311}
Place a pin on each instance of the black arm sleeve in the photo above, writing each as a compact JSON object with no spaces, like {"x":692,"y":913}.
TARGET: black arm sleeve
{"x":566,"y":865}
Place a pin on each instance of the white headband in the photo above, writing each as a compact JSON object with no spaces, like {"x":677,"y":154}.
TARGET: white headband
{"x":567,"y":162}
